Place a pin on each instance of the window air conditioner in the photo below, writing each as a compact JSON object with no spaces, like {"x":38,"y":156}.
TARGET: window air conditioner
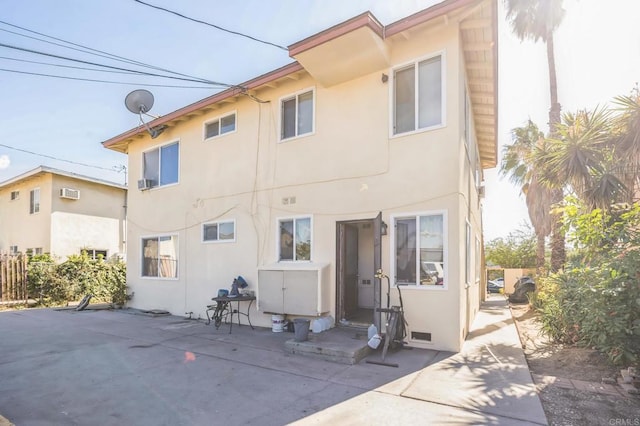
{"x":144,"y":184}
{"x":71,"y":194}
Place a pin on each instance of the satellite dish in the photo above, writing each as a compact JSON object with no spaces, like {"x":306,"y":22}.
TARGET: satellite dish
{"x":139,"y":101}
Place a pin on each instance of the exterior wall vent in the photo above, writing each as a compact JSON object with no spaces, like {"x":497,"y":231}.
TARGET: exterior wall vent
{"x":71,"y":194}
{"x":417,"y":335}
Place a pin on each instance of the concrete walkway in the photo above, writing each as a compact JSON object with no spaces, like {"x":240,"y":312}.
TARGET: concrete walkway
{"x":114,"y":368}
{"x":488,"y":382}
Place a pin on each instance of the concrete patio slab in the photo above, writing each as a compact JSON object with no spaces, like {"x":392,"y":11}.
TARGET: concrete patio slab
{"x":113,"y":368}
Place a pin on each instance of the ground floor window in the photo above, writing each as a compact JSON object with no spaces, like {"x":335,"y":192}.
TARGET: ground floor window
{"x":419,"y":250}
{"x":160,"y":256}
{"x":95,"y":254}
{"x":294,"y":238}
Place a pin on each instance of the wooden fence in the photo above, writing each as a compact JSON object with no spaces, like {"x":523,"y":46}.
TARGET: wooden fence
{"x":13,"y":277}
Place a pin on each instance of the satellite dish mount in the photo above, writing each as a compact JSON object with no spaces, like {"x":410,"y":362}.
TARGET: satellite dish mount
{"x":140,"y":102}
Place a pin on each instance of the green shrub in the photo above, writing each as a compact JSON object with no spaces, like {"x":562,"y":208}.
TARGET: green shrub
{"x":78,"y":276}
{"x":595,"y":302}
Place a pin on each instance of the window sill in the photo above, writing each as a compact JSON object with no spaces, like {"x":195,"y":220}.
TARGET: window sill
{"x":213,"y":138}
{"x":421,"y":287}
{"x":159,"y":278}
{"x":293,"y":138}
{"x":418,"y":131}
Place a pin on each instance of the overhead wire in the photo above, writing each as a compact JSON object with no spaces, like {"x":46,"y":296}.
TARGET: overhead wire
{"x":66,"y":66}
{"x":57,"y":158}
{"x":204,"y":81}
{"x":212,"y":25}
{"x":89,"y":50}
{"x":104,"y":81}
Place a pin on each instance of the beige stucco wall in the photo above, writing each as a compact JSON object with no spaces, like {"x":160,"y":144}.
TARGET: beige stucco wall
{"x":63,"y":226}
{"x":17,"y":225}
{"x":72,"y":232}
{"x":348,"y":169}
{"x":511,"y":276}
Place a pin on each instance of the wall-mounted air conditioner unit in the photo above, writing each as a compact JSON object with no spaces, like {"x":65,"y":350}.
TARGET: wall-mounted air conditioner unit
{"x":71,"y":194}
{"x":144,"y":184}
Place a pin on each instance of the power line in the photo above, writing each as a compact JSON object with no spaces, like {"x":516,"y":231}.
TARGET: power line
{"x":212,"y":25}
{"x":67,"y":66}
{"x":104,"y":81}
{"x":56,"y":158}
{"x":90,"y":50}
{"x":203,"y":81}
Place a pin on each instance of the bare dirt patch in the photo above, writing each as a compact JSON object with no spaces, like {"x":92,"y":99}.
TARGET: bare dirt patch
{"x":565,"y":401}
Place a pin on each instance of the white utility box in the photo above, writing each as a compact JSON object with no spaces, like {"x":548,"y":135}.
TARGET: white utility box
{"x":294,"y":288}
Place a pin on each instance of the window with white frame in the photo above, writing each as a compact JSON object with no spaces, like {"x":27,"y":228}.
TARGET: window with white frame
{"x":220,"y":126}
{"x":94,"y":254}
{"x":13,"y":250}
{"x":15,"y":195}
{"x":296,"y":115}
{"x":419,"y":245}
{"x":294,"y":236}
{"x":160,"y":256}
{"x":223,"y":231}
{"x":34,"y":201}
{"x":417,"y":95}
{"x":160,"y":165}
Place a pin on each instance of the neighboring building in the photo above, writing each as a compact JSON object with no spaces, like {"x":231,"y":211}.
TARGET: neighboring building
{"x":365,"y":153}
{"x":53,"y":211}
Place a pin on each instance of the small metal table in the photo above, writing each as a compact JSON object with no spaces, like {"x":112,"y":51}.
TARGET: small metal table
{"x":222,"y":309}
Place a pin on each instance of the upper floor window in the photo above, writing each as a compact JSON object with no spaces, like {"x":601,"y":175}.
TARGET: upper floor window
{"x":34,"y":201}
{"x":294,"y":238}
{"x":15,"y":195}
{"x":219,"y":231}
{"x":160,"y":165}
{"x":417,"y":96}
{"x":160,"y":256}
{"x":220,"y":126}
{"x":13,"y":250}
{"x":419,"y":244}
{"x":296,"y":115}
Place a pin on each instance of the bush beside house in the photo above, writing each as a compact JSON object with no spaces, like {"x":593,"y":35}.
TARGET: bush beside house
{"x":80,"y":275}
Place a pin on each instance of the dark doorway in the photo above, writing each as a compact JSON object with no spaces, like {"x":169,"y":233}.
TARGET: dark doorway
{"x":356,"y":265}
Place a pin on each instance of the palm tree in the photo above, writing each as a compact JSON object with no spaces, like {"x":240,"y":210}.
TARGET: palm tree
{"x":518,"y":163}
{"x":586,"y":157}
{"x":627,"y":139}
{"x":538,"y":20}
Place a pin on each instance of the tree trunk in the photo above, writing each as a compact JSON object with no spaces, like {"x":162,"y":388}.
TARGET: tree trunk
{"x":558,"y":253}
{"x":539,"y":254}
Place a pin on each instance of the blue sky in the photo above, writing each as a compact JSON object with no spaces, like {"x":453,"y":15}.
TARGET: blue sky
{"x":598,"y":49}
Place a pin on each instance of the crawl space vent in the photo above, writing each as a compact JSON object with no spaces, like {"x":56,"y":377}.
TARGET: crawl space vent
{"x":417,"y":335}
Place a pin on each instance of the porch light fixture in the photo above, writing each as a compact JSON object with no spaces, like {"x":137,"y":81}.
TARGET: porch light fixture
{"x":383,"y":228}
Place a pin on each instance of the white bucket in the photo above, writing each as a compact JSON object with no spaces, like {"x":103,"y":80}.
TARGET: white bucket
{"x":277,"y":323}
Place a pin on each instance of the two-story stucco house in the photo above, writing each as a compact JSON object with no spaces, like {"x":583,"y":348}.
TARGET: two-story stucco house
{"x":47,"y":210}
{"x":366,"y":153}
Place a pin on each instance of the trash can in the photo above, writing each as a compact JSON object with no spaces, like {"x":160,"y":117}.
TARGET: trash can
{"x":301,"y":329}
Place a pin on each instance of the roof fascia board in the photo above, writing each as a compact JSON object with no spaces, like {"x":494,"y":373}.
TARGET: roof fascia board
{"x":365,"y":19}
{"x":58,"y":172}
{"x":228,"y":93}
{"x":425,"y":15}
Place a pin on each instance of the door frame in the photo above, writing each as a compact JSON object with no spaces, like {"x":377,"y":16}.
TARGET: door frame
{"x":376,"y":222}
